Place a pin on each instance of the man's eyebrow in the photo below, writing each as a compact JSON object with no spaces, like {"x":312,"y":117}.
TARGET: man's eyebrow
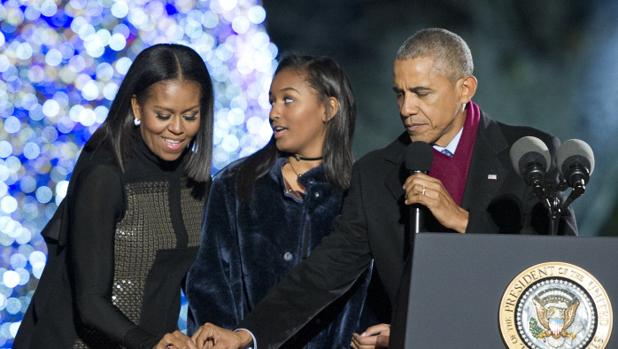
{"x":415,"y":89}
{"x":420,"y":89}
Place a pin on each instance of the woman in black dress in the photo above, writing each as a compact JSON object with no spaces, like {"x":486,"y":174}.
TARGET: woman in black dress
{"x":122,"y":240}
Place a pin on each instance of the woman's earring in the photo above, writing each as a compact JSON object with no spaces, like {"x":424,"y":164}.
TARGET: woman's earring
{"x":136,"y":122}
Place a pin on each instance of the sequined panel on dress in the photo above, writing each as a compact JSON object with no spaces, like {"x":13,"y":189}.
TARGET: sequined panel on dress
{"x":145,"y":229}
{"x":192,"y":213}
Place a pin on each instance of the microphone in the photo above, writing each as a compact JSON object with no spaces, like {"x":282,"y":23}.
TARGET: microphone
{"x":531,"y":160}
{"x":418,"y":160}
{"x":576,"y":163}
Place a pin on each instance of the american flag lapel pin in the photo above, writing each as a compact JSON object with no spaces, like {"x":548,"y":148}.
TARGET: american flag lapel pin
{"x":492,"y":176}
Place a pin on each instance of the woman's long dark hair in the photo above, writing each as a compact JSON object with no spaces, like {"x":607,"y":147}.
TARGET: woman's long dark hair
{"x":157,"y":63}
{"x":327,"y":78}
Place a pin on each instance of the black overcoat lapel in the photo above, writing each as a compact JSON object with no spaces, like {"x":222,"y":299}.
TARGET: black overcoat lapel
{"x":489,"y":166}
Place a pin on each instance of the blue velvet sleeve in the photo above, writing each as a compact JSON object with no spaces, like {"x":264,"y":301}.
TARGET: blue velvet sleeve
{"x":214,"y":282}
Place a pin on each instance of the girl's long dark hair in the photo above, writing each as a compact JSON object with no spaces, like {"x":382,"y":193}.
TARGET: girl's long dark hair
{"x":157,"y":63}
{"x":325,"y":76}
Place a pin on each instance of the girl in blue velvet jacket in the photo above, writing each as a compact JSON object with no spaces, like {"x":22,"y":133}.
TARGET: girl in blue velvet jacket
{"x":268,"y":211}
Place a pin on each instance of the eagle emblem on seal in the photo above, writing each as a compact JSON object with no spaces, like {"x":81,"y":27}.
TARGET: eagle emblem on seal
{"x":555,"y":311}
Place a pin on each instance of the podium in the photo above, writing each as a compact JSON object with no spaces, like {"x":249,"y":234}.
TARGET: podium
{"x":509,"y":291}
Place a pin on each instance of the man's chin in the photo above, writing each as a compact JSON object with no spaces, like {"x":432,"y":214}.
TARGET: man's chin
{"x":420,"y":138}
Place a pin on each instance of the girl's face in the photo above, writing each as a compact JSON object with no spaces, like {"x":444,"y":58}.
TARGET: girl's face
{"x":170,"y":116}
{"x":298,"y":117}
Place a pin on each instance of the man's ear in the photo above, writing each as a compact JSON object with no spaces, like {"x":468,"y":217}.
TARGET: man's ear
{"x":331,"y":109}
{"x":467,"y":88}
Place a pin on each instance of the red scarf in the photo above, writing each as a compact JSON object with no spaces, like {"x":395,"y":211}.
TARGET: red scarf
{"x":453,"y":171}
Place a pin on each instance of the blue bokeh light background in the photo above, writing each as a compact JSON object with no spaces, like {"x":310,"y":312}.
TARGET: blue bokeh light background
{"x":61,"y":63}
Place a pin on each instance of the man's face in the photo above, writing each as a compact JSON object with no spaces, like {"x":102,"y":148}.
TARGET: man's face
{"x":432,"y":106}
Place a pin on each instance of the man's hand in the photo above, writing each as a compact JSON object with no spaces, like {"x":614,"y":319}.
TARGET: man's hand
{"x":175,"y":340}
{"x":430,"y":192}
{"x":374,"y":337}
{"x":214,"y":337}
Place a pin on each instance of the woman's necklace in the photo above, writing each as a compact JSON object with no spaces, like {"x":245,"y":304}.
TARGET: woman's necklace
{"x":300,"y":157}
{"x":294,"y":170}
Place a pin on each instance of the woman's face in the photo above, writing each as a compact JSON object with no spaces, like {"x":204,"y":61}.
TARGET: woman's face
{"x":297,"y":116}
{"x":170,"y":116}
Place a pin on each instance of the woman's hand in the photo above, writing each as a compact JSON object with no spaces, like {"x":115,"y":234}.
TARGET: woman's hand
{"x":212,"y":336}
{"x":374,"y":337}
{"x":175,"y":340}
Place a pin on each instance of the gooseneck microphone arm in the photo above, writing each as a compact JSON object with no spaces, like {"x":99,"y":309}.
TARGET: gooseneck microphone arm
{"x":535,"y":177}
{"x":534,"y":173}
{"x":579,"y":185}
{"x":554,"y":204}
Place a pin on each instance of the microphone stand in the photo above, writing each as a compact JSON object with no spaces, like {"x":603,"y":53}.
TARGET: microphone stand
{"x":554,"y":205}
{"x":575,"y":193}
{"x":552,"y":200}
{"x":577,"y":181}
{"x":548,"y":195}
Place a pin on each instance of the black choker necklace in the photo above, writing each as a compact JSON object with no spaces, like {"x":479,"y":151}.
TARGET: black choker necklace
{"x":299,"y":157}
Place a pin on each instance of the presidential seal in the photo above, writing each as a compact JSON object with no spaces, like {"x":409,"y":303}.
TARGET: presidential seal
{"x":555,"y":305}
